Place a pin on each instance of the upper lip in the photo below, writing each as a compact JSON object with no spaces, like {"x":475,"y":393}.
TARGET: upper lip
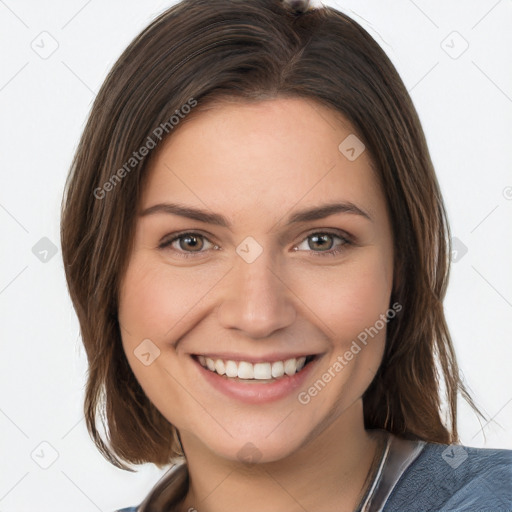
{"x":268,"y":358}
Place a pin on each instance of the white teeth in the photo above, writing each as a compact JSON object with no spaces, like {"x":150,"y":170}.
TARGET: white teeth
{"x":231,"y":369}
{"x":257,"y":371}
{"x":290,"y":366}
{"x":277,"y":369}
{"x":219,"y":367}
{"x":245,"y":370}
{"x":262,"y":371}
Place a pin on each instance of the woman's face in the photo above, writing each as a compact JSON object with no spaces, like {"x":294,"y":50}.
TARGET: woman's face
{"x":258,"y":284}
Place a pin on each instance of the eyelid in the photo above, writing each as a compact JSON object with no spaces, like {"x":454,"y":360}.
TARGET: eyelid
{"x":346,"y":238}
{"x":168,"y":240}
{"x":329,"y":231}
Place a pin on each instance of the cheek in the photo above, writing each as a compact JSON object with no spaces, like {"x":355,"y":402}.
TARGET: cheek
{"x":156,"y":299}
{"x":143,"y":301}
{"x":352,"y":298}
{"x":148,"y":309}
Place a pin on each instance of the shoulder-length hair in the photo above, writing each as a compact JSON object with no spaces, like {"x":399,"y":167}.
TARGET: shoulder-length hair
{"x":251,"y":50}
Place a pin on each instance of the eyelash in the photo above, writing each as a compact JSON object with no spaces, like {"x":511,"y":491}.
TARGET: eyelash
{"x":191,"y":254}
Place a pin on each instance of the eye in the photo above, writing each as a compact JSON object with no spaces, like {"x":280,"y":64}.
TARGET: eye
{"x":324,"y":241}
{"x":190,"y":244}
{"x":186,"y":244}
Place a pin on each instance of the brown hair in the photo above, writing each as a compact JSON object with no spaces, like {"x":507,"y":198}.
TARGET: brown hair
{"x":202,"y":50}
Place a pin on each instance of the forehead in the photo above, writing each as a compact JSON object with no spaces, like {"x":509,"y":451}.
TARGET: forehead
{"x":241,"y":157}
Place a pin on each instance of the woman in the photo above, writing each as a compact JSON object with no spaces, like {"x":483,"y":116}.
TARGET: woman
{"x":257,"y":250}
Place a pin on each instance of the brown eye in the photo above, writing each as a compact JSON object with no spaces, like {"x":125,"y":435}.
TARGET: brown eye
{"x":187,"y":244}
{"x":190,"y":242}
{"x":323,"y":243}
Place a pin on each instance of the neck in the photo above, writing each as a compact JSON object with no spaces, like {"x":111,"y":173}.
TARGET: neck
{"x":328,"y":472}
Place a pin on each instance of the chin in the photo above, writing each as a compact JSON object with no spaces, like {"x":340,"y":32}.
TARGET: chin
{"x":258,"y":449}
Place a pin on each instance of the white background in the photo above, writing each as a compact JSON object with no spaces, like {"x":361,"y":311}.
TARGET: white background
{"x":465,"y":105}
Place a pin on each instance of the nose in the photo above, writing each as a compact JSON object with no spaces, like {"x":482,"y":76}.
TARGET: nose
{"x":257,"y":299}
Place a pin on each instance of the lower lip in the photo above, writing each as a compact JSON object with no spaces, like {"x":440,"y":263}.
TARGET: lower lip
{"x":254,"y":391}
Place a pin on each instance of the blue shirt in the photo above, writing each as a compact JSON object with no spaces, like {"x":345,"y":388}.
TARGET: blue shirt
{"x":455,"y":478}
{"x":415,"y":476}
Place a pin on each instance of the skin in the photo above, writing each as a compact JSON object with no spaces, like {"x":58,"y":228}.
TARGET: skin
{"x":256,"y":164}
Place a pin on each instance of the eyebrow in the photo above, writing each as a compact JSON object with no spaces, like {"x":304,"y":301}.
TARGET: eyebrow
{"x":310,"y":214}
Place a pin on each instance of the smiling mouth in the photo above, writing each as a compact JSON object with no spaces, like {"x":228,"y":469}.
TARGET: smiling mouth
{"x":263,"y":371}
